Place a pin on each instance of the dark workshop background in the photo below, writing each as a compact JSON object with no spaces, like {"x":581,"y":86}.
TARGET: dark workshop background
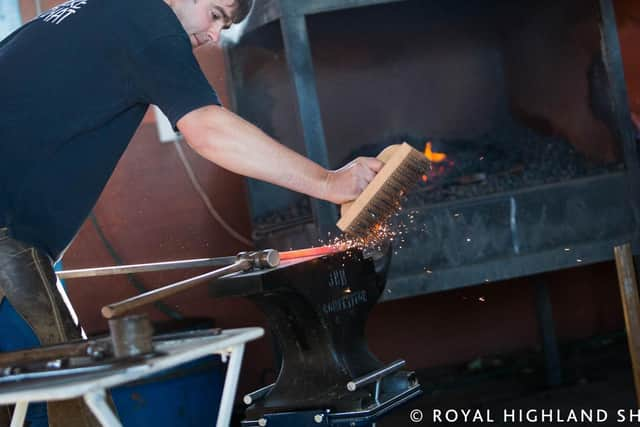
{"x":150,"y":211}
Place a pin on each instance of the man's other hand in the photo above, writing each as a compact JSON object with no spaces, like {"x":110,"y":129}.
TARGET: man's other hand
{"x":345,"y":184}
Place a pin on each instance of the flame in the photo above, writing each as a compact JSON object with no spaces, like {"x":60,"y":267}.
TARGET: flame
{"x":434,"y":157}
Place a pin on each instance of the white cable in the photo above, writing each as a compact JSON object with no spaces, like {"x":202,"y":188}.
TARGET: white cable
{"x":205,"y":198}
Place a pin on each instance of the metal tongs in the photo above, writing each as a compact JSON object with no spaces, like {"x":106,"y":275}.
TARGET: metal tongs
{"x":244,"y":261}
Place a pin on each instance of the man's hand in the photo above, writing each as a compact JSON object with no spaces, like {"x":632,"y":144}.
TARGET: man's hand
{"x":346,"y":183}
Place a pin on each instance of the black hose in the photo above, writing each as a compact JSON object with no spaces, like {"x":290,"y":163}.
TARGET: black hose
{"x":133,"y":280}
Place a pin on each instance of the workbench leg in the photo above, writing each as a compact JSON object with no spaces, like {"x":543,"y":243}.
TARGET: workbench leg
{"x":230,"y":386}
{"x":97,"y":402}
{"x":548,"y":335}
{"x":631,"y":306}
{"x":19,"y":414}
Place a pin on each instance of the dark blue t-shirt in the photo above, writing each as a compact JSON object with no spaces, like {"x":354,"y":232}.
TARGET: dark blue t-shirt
{"x":75,"y":83}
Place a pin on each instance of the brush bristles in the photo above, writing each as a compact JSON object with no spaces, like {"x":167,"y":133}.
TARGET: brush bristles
{"x":381,"y":199}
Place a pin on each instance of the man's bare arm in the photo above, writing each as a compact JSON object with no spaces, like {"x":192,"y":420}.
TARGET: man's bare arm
{"x":236,"y":145}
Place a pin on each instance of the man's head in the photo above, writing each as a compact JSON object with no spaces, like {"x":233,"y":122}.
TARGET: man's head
{"x":203,"y":20}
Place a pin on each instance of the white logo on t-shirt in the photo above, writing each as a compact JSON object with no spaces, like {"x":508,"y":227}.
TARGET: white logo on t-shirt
{"x":61,"y":12}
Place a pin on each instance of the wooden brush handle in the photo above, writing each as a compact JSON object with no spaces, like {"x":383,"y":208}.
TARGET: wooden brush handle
{"x":384,"y":157}
{"x":387,"y":153}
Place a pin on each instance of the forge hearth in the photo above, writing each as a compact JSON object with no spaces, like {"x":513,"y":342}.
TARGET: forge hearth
{"x":526,"y":98}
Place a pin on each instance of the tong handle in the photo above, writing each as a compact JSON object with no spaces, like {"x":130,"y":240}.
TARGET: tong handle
{"x":244,"y":261}
{"x":121,"y":307}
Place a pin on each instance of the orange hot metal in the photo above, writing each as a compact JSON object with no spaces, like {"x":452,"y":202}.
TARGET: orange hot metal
{"x":309,"y":252}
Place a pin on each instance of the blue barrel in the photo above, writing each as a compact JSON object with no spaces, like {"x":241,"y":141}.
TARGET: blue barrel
{"x":186,"y":396}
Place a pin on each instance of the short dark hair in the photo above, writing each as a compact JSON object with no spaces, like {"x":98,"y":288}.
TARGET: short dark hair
{"x":242,"y":10}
